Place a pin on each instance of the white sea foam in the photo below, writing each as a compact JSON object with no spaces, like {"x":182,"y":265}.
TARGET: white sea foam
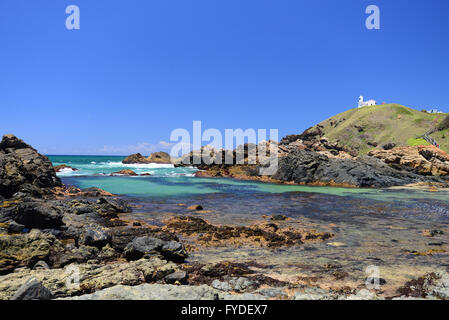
{"x":138,"y":165}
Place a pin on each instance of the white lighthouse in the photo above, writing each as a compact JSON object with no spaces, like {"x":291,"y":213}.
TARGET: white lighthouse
{"x":366,"y":103}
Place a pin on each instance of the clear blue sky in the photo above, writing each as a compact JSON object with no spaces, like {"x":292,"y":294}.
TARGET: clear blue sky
{"x":138,"y":69}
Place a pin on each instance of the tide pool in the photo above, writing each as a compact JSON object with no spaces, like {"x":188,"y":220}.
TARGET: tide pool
{"x":168,"y":181}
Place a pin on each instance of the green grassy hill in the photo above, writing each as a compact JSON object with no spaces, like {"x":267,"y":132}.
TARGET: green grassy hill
{"x":362,"y":129}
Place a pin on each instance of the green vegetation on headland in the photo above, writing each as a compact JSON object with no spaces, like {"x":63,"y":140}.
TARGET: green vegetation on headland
{"x":363,"y":129}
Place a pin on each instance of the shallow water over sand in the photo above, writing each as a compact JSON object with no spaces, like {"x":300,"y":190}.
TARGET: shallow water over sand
{"x":367,"y":232}
{"x":383,"y":228}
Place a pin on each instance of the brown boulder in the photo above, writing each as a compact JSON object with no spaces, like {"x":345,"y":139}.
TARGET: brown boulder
{"x":426,"y":160}
{"x":159,"y":157}
{"x":126,"y":172}
{"x":156,"y":157}
{"x":135,"y":158}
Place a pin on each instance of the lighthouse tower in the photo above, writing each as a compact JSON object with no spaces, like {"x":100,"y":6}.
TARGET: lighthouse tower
{"x":362,"y":103}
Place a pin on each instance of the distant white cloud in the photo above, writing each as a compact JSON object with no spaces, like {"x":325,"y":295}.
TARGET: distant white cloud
{"x":166,"y":144}
{"x":144,"y":148}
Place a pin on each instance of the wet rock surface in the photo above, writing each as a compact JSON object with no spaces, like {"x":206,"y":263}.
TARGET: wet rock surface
{"x":268,"y":234}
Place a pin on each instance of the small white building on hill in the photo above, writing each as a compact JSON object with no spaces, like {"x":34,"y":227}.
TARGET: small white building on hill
{"x":434,"y":111}
{"x":366,"y":103}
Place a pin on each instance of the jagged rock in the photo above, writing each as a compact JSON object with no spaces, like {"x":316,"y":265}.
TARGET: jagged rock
{"x":110,"y":207}
{"x":156,"y":157}
{"x":135,"y":158}
{"x":41,"y":265}
{"x":142,"y":246}
{"x":174,"y":251}
{"x":25,"y":249}
{"x":93,"y":276}
{"x":38,"y":214}
{"x":424,"y":160}
{"x":159,"y":157}
{"x":107,"y":253}
{"x":308,"y":167}
{"x":23,"y":169}
{"x":14,"y":227}
{"x":32,"y":290}
{"x":176,"y":277}
{"x":96,"y":236}
{"x":433,"y":285}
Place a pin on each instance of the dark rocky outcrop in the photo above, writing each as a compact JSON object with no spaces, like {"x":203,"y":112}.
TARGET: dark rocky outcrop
{"x":170,"y":250}
{"x":23,"y":169}
{"x":95,"y":236}
{"x":38,"y":214}
{"x":307,"y":167}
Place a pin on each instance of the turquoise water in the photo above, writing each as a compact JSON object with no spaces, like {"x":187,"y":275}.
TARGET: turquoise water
{"x":168,"y":181}
{"x":375,"y":226}
{"x":105,"y":165}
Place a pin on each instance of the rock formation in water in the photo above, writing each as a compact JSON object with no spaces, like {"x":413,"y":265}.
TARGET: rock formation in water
{"x":63,"y":167}
{"x":156,"y":157}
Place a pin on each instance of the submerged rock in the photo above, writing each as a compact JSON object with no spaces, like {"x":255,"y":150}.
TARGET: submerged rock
{"x":269,"y":235}
{"x":126,"y":172}
{"x":196,"y":207}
